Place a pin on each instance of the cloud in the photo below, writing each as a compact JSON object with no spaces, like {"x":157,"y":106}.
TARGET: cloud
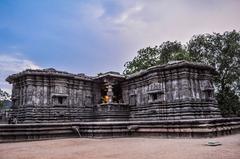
{"x":127,"y":13}
{"x":179,"y":20}
{"x":10,"y":64}
{"x":95,"y":36}
{"x":145,"y":23}
{"x":15,"y":64}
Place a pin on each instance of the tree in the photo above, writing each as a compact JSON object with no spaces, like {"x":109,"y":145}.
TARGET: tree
{"x":222,"y":51}
{"x":228,"y":102}
{"x":152,"y":56}
{"x":171,"y":51}
{"x":146,"y":58}
{"x":3,"y":96}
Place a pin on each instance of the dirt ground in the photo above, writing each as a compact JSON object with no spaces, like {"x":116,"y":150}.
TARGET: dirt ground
{"x":123,"y":148}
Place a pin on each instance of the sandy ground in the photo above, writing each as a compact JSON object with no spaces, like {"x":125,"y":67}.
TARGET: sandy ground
{"x":123,"y":148}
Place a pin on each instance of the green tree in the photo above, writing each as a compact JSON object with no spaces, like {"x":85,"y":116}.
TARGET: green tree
{"x":146,"y":58}
{"x":228,"y":102}
{"x":222,"y":51}
{"x":171,"y":51}
{"x":152,"y":56}
{"x":3,"y":96}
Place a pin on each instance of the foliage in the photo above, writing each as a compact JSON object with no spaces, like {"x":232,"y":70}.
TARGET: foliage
{"x":228,"y":102}
{"x":152,"y":56}
{"x":170,"y":51}
{"x":146,"y":58}
{"x":3,"y":96}
{"x":221,"y":51}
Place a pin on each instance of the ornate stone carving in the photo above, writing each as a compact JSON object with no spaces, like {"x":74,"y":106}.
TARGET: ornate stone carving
{"x":180,"y":90}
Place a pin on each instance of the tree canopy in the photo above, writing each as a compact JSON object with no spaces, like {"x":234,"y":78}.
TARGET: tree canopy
{"x":152,"y":56}
{"x":221,"y":51}
{"x":3,"y":96}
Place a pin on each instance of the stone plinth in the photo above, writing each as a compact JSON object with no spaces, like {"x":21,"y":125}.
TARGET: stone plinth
{"x":168,"y":129}
{"x":112,"y":112}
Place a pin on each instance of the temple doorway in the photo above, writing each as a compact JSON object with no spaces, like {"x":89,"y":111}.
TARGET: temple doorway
{"x":110,"y":87}
{"x":104,"y":97}
{"x":117,"y":94}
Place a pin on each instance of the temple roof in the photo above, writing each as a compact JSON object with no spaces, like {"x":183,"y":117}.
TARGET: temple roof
{"x":48,"y":72}
{"x":172,"y":65}
{"x":110,"y":74}
{"x":114,"y":75}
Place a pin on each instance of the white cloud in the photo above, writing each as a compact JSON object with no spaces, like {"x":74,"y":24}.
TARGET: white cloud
{"x":145,"y":23}
{"x":15,"y":64}
{"x":159,"y":21}
{"x":117,"y":32}
{"x":10,"y":64}
{"x":123,"y":17}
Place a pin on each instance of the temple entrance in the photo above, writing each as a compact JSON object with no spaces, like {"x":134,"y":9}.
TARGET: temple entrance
{"x":111,"y":107}
{"x":111,"y":94}
{"x":104,"y":97}
{"x":117,"y":94}
{"x":110,"y":88}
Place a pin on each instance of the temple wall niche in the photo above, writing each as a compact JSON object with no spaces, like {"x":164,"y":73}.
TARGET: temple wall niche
{"x":87,"y":98}
{"x":97,"y":99}
{"x":145,"y":97}
{"x":34,"y":97}
{"x":168,"y":90}
{"x":195,"y":89}
{"x":70,"y":98}
{"x":175,"y":90}
{"x":184,"y":92}
{"x":45,"y":95}
{"x":192,"y":89}
{"x":37,"y":95}
{"x":125,"y":93}
{"x":79,"y":98}
{"x":61,"y":89}
{"x":30,"y":92}
{"x":207,"y":89}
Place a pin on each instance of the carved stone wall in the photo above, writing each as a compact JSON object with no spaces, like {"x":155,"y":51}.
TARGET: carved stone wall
{"x":50,"y":96}
{"x":177,"y":91}
{"x":174,"y":91}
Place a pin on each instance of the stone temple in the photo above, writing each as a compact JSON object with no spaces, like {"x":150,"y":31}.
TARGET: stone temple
{"x":174,"y":91}
{"x":172,"y":98}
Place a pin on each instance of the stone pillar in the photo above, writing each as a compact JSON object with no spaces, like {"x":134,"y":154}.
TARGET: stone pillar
{"x":110,"y":93}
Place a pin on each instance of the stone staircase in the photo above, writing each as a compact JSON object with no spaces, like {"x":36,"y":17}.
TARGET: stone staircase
{"x":194,"y":128}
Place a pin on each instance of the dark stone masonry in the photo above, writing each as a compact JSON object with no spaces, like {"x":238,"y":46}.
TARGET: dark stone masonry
{"x":180,"y":90}
{"x":175,"y":99}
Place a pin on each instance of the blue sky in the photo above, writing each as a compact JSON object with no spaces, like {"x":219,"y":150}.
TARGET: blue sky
{"x":92,"y":36}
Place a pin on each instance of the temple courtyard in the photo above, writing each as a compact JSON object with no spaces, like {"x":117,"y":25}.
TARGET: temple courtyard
{"x":122,"y":148}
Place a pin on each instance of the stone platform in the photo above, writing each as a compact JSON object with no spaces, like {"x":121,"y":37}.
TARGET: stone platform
{"x":167,"y":129}
{"x":111,"y":112}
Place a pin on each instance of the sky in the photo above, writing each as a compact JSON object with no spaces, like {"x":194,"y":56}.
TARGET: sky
{"x":93,"y":36}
